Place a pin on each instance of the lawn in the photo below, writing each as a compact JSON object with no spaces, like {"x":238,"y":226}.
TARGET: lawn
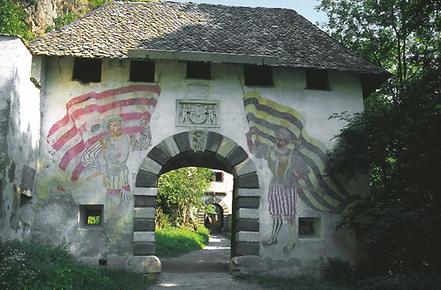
{"x":172,"y":242}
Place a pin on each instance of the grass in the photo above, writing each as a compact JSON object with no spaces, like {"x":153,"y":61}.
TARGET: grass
{"x":30,"y":265}
{"x":172,"y":242}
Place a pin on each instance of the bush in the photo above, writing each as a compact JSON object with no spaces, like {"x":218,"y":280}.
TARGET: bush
{"x":337,"y":270}
{"x":414,"y":281}
{"x":172,"y":242}
{"x":30,"y":265}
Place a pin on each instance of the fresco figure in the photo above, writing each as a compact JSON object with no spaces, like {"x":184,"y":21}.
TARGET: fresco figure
{"x":288,"y":168}
{"x":110,"y":156}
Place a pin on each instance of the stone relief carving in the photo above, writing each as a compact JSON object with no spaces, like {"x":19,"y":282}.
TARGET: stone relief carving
{"x":197,"y":113}
{"x":198,"y":140}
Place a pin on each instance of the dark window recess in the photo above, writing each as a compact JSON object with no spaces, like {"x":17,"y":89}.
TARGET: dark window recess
{"x":87,"y":70}
{"x":91,"y":215}
{"x":256,"y":75}
{"x":142,"y":71}
{"x":198,"y":70}
{"x":317,"y":79}
{"x":309,"y":227}
{"x":102,"y":262}
{"x":218,"y":176}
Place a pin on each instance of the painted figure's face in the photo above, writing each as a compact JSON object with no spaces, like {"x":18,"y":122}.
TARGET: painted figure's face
{"x":115,"y":128}
{"x":281,"y":141}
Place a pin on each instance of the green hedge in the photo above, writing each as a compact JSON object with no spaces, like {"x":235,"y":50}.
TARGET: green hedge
{"x":31,"y":265}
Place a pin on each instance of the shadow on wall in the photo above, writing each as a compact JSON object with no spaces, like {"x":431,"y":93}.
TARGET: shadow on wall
{"x":19,"y":139}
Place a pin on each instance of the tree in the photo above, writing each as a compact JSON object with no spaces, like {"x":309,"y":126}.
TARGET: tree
{"x":180,"y":192}
{"x":13,"y":20}
{"x":394,"y":139}
{"x":403,"y":36}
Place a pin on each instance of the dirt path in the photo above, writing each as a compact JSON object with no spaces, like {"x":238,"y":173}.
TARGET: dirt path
{"x":203,"y":269}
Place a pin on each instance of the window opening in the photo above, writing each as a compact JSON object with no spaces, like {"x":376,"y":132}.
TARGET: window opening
{"x":87,"y":70}
{"x":317,"y":79}
{"x":142,"y":71}
{"x":258,"y":75}
{"x":198,"y":70}
{"x":218,"y":176}
{"x":91,"y":215}
{"x":309,"y":227}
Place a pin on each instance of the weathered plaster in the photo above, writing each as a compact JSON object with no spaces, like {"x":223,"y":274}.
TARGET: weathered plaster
{"x":56,"y":191}
{"x":19,"y":138}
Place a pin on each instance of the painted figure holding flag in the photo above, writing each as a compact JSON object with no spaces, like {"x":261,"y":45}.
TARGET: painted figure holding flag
{"x":288,"y":168}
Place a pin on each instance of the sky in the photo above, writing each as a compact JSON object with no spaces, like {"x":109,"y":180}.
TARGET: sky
{"x":303,"y":7}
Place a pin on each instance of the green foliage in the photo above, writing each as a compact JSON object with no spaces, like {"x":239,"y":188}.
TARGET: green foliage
{"x":13,"y":20}
{"x":172,"y":242}
{"x":395,"y":139}
{"x":94,"y":220}
{"x":210,"y":209}
{"x":336,"y":270}
{"x":401,"y":36}
{"x":180,"y":193}
{"x":31,"y":265}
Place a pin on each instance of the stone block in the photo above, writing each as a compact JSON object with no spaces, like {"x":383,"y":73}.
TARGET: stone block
{"x":213,"y":141}
{"x":245,"y":167}
{"x":150,"y":165}
{"x":170,"y":146}
{"x":236,"y":156}
{"x":144,"y":264}
{"x":247,"y":236}
{"x":250,"y":225}
{"x":248,"y":202}
{"x":145,"y":201}
{"x":144,"y":237}
{"x":225,"y":147}
{"x":247,"y":248}
{"x":248,"y":265}
{"x":247,"y":213}
{"x":150,"y":191}
{"x":146,"y":179}
{"x":248,"y":192}
{"x":143,"y":249}
{"x":250,"y":180}
{"x":183,"y":141}
{"x":140,"y":225}
{"x":159,"y":155}
{"x":146,"y":212}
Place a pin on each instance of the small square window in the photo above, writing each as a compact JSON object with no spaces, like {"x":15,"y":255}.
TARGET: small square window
{"x":218,"y":176}
{"x":310,"y":227}
{"x":198,"y":70}
{"x":317,"y":79}
{"x":91,"y":215}
{"x":142,"y":71}
{"x":258,"y":75}
{"x":87,"y":70}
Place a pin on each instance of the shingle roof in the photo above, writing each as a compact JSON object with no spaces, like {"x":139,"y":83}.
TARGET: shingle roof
{"x":112,"y":30}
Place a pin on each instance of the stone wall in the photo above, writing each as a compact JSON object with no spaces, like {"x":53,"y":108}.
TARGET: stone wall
{"x":19,"y":138}
{"x":159,"y":122}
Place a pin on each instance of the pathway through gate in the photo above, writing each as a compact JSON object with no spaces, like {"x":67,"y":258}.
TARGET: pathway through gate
{"x":204,"y":269}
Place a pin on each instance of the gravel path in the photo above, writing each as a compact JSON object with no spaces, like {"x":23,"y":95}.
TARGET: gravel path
{"x":203,"y":269}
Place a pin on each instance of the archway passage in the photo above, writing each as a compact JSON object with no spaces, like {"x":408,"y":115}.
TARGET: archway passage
{"x":215,"y":221}
{"x":201,"y":149}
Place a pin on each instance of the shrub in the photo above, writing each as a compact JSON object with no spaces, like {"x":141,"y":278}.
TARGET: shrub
{"x":336,"y":270}
{"x":30,"y":265}
{"x":13,"y":20}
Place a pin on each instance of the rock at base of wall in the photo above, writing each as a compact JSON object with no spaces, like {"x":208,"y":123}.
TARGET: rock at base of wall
{"x":144,"y":264}
{"x":248,"y":265}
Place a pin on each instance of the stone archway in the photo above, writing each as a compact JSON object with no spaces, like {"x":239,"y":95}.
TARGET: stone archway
{"x":203,"y":149}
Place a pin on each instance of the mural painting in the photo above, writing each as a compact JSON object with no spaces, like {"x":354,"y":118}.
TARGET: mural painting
{"x":297,"y":162}
{"x":98,"y":132}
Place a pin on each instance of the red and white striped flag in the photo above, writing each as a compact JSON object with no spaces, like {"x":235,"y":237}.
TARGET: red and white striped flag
{"x":83,"y":124}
